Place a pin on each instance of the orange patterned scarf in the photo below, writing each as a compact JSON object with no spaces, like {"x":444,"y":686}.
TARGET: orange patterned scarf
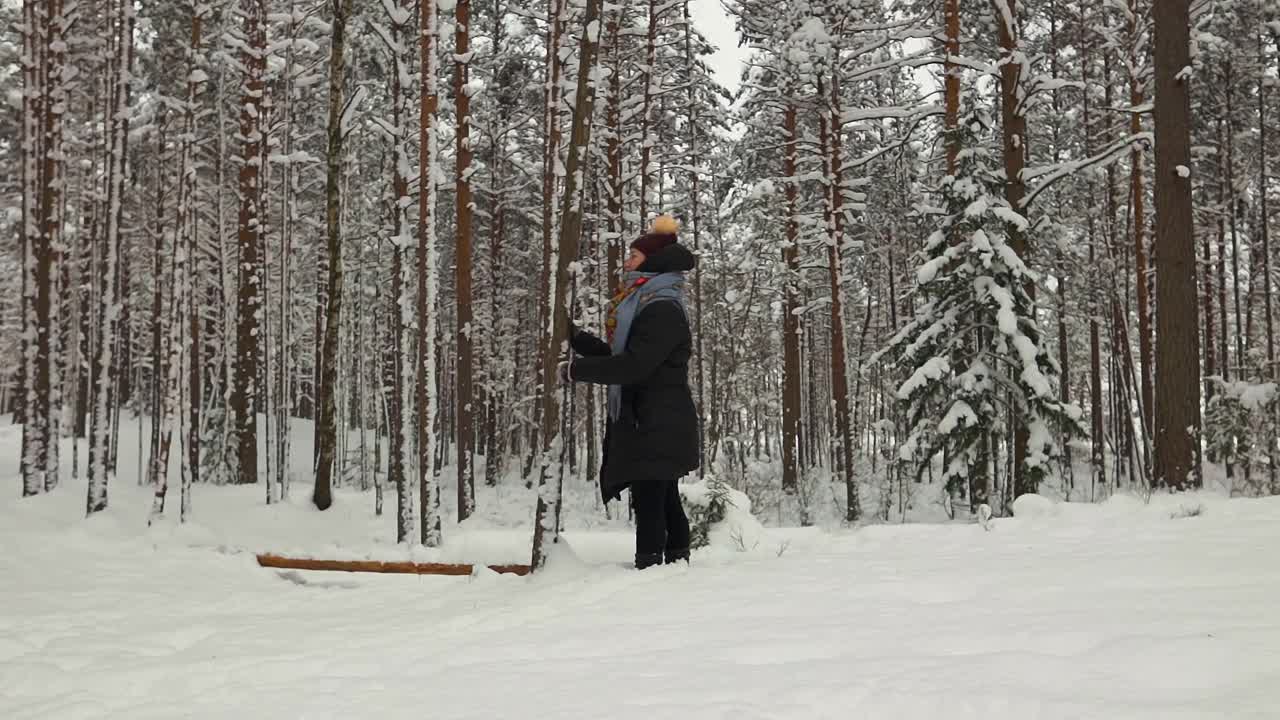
{"x":611,"y":322}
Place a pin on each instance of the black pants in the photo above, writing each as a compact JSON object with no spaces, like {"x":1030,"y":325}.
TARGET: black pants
{"x":661,"y":525}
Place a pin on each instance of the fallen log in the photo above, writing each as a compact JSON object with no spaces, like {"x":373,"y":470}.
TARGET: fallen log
{"x":375,"y":566}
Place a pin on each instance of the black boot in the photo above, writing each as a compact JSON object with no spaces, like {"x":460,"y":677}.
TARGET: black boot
{"x":645,"y":560}
{"x":675,"y":556}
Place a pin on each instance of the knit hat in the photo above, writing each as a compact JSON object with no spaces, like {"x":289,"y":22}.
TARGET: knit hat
{"x":662,"y":234}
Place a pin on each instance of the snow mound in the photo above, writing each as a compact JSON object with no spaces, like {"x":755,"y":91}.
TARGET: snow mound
{"x":1035,"y":506}
{"x":1123,"y":507}
{"x":720,"y":517}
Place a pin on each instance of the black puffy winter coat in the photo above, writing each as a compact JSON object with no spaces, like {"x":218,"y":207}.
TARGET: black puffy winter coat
{"x":656,"y":434}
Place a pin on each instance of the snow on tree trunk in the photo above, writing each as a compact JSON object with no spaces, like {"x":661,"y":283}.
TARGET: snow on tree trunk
{"x":428,"y":480}
{"x":1014,"y":129}
{"x":106,"y":365}
{"x":326,"y":394}
{"x":547,"y":516}
{"x":35,"y":107}
{"x":243,"y":401}
{"x":466,"y":401}
{"x":179,"y":341}
{"x":1137,"y":196}
{"x":403,"y":369}
{"x":834,"y":197}
{"x":613,"y":119}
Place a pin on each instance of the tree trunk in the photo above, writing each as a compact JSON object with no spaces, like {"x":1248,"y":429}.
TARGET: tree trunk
{"x":1177,"y":428}
{"x":613,"y":118}
{"x":400,"y":366}
{"x":1223,"y":317}
{"x":1014,"y":127}
{"x":190,"y":239}
{"x":428,"y":493}
{"x":790,"y":321}
{"x":547,"y":516}
{"x":694,"y":163}
{"x":550,"y":159}
{"x":951,"y":80}
{"x":106,"y":361}
{"x":1097,"y":441}
{"x":465,"y":388}
{"x":42,"y":220}
{"x":1138,"y":200}
{"x":244,"y":385}
{"x":835,"y":270}
{"x":327,"y":392}
{"x":646,"y":108}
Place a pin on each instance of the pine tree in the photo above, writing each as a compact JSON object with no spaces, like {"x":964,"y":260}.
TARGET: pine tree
{"x":973,"y":349}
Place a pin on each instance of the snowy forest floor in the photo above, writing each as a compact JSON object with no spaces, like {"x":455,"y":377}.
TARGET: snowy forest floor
{"x":1126,"y":610}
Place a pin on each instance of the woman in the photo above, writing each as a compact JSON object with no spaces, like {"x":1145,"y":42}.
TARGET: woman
{"x":652,"y":436}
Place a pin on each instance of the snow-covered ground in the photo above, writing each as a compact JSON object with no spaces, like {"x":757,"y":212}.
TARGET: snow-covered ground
{"x":1125,"y":610}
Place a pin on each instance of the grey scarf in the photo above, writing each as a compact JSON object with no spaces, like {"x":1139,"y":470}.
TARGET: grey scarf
{"x":663,"y":286}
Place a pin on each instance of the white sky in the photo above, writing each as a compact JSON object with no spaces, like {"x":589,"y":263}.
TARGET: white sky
{"x":710,"y":18}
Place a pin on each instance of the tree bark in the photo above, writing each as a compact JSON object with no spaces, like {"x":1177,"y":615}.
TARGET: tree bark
{"x":244,"y":386}
{"x":328,"y":390}
{"x":547,"y":516}
{"x":951,"y":80}
{"x":428,"y":494}
{"x":835,"y":269}
{"x":1137,"y":197}
{"x":462,"y":263}
{"x":400,"y":369}
{"x":1097,"y":441}
{"x":1177,"y":427}
{"x":106,"y":361}
{"x":791,"y":304}
{"x":613,"y":117}
{"x":1014,"y":127}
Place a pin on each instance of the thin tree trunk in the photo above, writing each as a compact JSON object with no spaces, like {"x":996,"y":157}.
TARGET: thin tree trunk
{"x":328,"y":390}
{"x":1138,"y":199}
{"x":400,"y":367}
{"x":106,"y":364}
{"x":790,"y":305}
{"x":694,"y":163}
{"x":835,"y":269}
{"x":547,"y":516}
{"x":1223,"y":317}
{"x":1242,"y":338}
{"x":466,"y":401}
{"x":613,"y":117}
{"x":1264,"y":223}
{"x":1097,"y":456}
{"x":190,"y":239}
{"x":429,"y":494}
{"x":646,"y":108}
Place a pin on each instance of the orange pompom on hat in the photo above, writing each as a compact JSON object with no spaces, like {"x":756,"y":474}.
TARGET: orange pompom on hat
{"x":662,"y":234}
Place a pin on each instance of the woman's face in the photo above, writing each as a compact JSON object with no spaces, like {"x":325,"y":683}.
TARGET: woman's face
{"x":634,"y":260}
